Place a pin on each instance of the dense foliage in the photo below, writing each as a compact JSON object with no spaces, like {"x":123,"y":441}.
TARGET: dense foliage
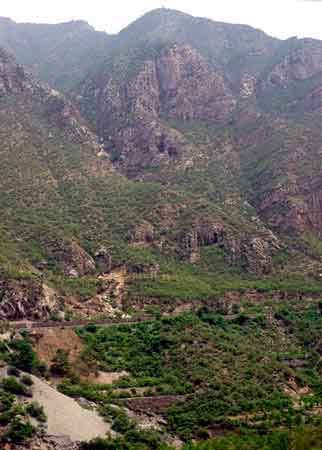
{"x":257,"y":366}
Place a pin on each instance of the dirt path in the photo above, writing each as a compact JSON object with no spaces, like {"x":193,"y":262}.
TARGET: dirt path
{"x":66,"y":417}
{"x":28,"y":325}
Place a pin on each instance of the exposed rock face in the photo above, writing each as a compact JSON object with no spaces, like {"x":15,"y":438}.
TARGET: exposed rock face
{"x":301,"y":63}
{"x":46,"y":149}
{"x":15,"y":81}
{"x":45,"y":443}
{"x":203,"y":233}
{"x":178,"y":84}
{"x":12,"y":76}
{"x":312,"y":102}
{"x":73,"y":260}
{"x":256,"y":253}
{"x":174,"y":80}
{"x":144,"y":233}
{"x":26,"y":300}
{"x":299,"y":211}
{"x":190,"y":88}
{"x":103,"y":260}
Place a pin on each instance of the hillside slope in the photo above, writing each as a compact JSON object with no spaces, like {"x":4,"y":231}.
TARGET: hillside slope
{"x":67,"y":215}
{"x":196,"y":183}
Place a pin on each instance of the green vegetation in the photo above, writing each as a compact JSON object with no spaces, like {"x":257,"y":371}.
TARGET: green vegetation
{"x":249,"y":368}
{"x":60,"y":365}
{"x":36,"y":411}
{"x":211,"y":277}
{"x":27,"y":380}
{"x":23,"y":357}
{"x":234,"y":370}
{"x":304,"y":438}
{"x":143,"y":440}
{"x":19,"y":431}
{"x":15,"y":415}
{"x":16,"y":410}
{"x":11,"y":385}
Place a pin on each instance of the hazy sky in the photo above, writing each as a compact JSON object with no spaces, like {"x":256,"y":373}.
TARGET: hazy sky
{"x":281,"y":18}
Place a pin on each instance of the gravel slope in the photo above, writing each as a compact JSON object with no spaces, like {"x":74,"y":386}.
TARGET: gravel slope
{"x":66,"y":417}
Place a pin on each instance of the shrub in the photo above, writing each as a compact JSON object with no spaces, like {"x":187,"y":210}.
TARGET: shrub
{"x":35,"y":410}
{"x":60,"y":365}
{"x":19,"y":431}
{"x":6,"y":401}
{"x":122,"y":423}
{"x":91,"y":328}
{"x":41,"y":369}
{"x":27,"y":380}
{"x":6,"y":417}
{"x":23,"y":357}
{"x":11,"y":385}
{"x":102,"y":444}
{"x":14,"y":371}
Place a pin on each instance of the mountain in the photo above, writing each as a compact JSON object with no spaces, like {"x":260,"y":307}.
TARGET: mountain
{"x":213,"y":107}
{"x":167,"y":177}
{"x":67,"y":214}
{"x":73,"y":49}
{"x":178,"y":147}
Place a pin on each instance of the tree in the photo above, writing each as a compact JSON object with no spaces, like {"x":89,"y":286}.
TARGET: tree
{"x":23,"y":357}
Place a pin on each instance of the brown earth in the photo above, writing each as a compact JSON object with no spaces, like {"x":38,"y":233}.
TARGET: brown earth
{"x":48,"y":341}
{"x":152,"y":405}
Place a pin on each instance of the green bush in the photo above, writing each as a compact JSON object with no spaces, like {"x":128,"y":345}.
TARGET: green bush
{"x":60,"y":365}
{"x":23,"y":356}
{"x":122,"y":424}
{"x":35,"y":410}
{"x":6,"y":401}
{"x":19,"y":431}
{"x":11,"y":385}
{"x":27,"y":380}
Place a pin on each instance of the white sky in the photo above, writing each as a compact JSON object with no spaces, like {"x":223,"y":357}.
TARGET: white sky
{"x":281,"y":18}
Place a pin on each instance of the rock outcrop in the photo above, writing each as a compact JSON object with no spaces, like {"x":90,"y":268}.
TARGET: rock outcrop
{"x":45,"y":443}
{"x":12,"y":76}
{"x":177,"y":84}
{"x":73,"y":260}
{"x":26,"y":300}
{"x":301,"y":63}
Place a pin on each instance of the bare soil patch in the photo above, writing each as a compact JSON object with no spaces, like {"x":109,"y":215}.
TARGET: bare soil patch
{"x":109,"y":377}
{"x":48,"y":341}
